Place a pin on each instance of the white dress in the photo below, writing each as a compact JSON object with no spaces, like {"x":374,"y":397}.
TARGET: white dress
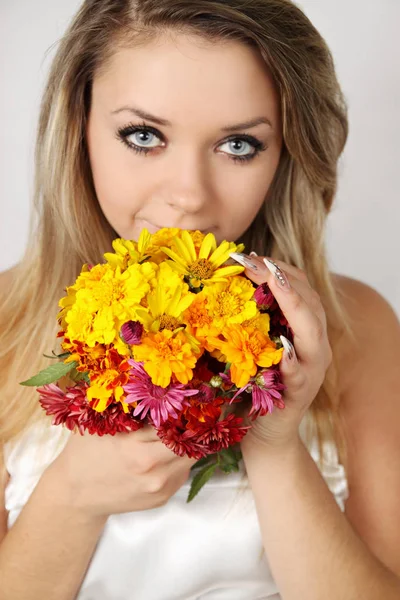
{"x":209,"y":549}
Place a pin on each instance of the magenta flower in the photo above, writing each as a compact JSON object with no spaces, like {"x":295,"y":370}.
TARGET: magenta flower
{"x":158,"y":401}
{"x":264,"y":297}
{"x":266,"y":388}
{"x":131,"y":332}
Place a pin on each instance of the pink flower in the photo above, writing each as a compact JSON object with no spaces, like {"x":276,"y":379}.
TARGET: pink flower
{"x":264,"y":297}
{"x":266,"y":388}
{"x":131,"y":332}
{"x":158,"y":401}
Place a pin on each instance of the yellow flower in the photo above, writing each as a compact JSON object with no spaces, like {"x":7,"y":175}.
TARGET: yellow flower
{"x":102,"y":392}
{"x":245,"y":349}
{"x":165,"y":353}
{"x":103,"y":305}
{"x":202,"y":266}
{"x":129,"y":252}
{"x":230,"y":302}
{"x":125,"y":254}
{"x":166,"y":302}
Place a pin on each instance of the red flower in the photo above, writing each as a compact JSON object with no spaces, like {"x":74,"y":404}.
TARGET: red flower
{"x":71,"y":408}
{"x":209,"y":438}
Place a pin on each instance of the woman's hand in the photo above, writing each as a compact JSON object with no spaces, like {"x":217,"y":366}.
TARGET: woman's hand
{"x":127,"y":472}
{"x":303,"y":366}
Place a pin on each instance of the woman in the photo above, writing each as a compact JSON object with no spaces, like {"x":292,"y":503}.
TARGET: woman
{"x":232,"y":121}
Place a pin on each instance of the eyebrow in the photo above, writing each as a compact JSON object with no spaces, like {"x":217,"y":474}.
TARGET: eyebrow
{"x":145,"y":115}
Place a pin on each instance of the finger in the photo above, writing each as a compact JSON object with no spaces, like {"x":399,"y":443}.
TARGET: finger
{"x":297,"y":279}
{"x":289,"y":269}
{"x":307,"y":322}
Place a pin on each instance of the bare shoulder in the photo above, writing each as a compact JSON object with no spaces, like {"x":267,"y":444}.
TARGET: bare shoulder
{"x":374,"y":323}
{"x":370,"y":413}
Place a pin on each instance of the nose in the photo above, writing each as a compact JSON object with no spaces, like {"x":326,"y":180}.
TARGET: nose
{"x":189,"y":188}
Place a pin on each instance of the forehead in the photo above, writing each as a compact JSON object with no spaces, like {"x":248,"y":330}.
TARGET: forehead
{"x":183,"y":78}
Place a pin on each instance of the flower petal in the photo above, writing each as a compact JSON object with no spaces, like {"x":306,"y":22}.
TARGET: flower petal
{"x":208,"y":245}
{"x":188,"y":241}
{"x":175,"y":257}
{"x":183,"y":250}
{"x":221,"y":254}
{"x":224,"y":271}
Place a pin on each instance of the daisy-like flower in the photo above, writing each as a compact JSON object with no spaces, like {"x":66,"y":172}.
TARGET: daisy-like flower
{"x":266,"y":388}
{"x":202,"y":266}
{"x":160,"y":402}
{"x":165,"y":353}
{"x":167,"y":302}
{"x":71,"y":408}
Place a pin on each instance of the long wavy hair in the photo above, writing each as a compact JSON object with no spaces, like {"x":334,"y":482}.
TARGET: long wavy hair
{"x":68,"y":227}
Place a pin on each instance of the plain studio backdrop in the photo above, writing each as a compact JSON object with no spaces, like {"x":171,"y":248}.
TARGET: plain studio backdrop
{"x":364,"y":226}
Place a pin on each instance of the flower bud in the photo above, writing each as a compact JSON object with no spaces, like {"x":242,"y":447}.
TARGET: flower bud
{"x":216,"y":381}
{"x":131,"y":332}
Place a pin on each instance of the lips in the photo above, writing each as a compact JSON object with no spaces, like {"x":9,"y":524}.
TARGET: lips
{"x":150,"y":227}
{"x":154,"y":228}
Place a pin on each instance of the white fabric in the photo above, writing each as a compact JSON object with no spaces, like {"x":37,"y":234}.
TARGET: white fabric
{"x":208,"y":549}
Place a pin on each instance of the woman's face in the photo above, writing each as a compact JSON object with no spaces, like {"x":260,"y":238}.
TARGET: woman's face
{"x":167,"y":143}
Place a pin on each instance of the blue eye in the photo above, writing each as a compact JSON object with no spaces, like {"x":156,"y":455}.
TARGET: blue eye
{"x":143,"y":138}
{"x":143,"y":144}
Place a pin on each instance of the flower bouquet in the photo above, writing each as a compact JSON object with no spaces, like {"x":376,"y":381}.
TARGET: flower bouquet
{"x":165,"y":333}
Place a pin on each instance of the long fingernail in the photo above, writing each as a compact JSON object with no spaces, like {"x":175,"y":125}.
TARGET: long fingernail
{"x":278,"y":274}
{"x":243,"y":260}
{"x":289,"y":351}
{"x":252,"y":253}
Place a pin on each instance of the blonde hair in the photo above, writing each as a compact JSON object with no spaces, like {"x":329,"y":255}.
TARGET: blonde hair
{"x":67,"y":226}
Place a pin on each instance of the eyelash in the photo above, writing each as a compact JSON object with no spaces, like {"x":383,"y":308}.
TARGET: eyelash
{"x":130,"y":129}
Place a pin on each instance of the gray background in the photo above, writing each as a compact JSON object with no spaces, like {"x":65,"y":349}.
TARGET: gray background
{"x":364,"y":227}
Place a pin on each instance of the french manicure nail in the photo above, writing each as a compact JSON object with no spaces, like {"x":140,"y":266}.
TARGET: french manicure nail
{"x":243,"y":260}
{"x":278,"y":274}
{"x":288,"y":347}
{"x":252,"y":253}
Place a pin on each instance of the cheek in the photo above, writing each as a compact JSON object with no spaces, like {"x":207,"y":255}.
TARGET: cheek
{"x":244,"y":198}
{"x":116,"y":186}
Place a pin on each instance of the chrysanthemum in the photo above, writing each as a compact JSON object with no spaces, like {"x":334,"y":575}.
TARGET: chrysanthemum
{"x":229,"y":302}
{"x":222,"y":434}
{"x":104,"y":305}
{"x":245,"y":349}
{"x":181,"y":441}
{"x":158,"y":401}
{"x":165,"y":353}
{"x":202,"y":266}
{"x":266,"y":388}
{"x":71,"y":408}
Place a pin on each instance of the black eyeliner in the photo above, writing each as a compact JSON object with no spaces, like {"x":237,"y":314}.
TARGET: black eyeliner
{"x":131,"y":128}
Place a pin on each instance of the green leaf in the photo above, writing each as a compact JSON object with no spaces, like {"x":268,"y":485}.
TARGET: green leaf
{"x":228,"y":456}
{"x":79,"y":376}
{"x":50,"y":374}
{"x":206,"y":460}
{"x":200,"y":479}
{"x":229,"y":468}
